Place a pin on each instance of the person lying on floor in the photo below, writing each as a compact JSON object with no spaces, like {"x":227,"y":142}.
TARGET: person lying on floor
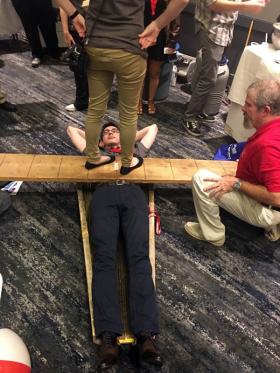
{"x":122,"y":207}
{"x":253,"y":195}
{"x":110,"y":138}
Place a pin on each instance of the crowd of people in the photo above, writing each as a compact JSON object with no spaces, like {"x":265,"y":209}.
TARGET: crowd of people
{"x":118,"y":45}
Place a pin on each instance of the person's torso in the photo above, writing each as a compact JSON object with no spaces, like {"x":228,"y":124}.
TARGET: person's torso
{"x":116,"y":24}
{"x":219,"y":26}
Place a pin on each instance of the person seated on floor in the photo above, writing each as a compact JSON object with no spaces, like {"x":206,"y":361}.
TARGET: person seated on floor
{"x":122,"y":207}
{"x":6,"y":105}
{"x":110,"y":138}
{"x":253,"y":195}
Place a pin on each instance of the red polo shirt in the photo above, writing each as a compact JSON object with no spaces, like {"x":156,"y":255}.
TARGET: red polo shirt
{"x":260,"y":160}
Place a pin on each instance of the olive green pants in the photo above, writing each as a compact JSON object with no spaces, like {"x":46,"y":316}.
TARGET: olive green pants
{"x":130,"y":71}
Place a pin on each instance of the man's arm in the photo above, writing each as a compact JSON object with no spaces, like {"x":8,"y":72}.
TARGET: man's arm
{"x":149,"y":35}
{"x":78,"y":20}
{"x":250,"y":6}
{"x":147,"y":135}
{"x":257,"y":192}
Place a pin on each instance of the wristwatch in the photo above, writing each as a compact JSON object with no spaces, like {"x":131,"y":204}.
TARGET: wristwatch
{"x":237,"y":185}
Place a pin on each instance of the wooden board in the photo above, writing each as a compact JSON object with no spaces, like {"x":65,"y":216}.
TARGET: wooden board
{"x":68,"y":168}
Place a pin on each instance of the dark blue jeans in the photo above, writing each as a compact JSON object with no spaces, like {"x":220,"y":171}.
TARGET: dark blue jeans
{"x":122,"y":209}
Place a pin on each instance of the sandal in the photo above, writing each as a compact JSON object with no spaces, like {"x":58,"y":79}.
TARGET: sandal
{"x":140,"y":108}
{"x":90,"y":166}
{"x":151,"y":107}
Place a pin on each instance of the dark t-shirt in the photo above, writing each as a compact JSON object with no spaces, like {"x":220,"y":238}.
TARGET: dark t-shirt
{"x":116,"y":24}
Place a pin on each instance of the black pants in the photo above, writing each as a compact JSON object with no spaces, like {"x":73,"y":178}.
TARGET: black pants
{"x":114,"y":209}
{"x":35,"y":15}
{"x":81,"y":82}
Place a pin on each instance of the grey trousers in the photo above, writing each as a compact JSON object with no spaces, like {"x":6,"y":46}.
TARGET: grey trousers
{"x":205,"y":75}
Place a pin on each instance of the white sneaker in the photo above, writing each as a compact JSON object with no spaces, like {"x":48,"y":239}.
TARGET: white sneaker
{"x":70,"y":107}
{"x":35,"y":62}
{"x":194,"y":230}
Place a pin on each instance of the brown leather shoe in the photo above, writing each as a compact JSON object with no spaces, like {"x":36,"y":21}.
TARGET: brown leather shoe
{"x":109,"y":351}
{"x":147,"y":350}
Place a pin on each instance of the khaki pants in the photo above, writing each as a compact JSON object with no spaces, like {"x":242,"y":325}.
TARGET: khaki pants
{"x":130,"y":71}
{"x":2,"y":97}
{"x":236,"y":203}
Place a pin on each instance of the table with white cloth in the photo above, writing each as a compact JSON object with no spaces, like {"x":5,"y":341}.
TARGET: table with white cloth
{"x":258,"y":61}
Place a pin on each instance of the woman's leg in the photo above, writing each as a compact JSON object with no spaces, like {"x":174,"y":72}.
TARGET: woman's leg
{"x":130,"y":70}
{"x":99,"y":81}
{"x":154,"y":69}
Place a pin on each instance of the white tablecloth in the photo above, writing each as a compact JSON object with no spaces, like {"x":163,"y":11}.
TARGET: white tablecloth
{"x":257,"y":62}
{"x":9,"y":20}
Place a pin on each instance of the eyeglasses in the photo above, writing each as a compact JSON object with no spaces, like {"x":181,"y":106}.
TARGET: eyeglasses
{"x":113,"y":130}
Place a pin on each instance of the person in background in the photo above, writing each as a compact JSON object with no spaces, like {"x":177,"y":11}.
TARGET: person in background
{"x":214,"y":24}
{"x":38,"y":15}
{"x":6,"y":105}
{"x":158,"y":53}
{"x":253,"y":195}
{"x":71,"y":37}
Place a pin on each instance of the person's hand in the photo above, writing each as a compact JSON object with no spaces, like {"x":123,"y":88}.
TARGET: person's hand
{"x":149,"y":36}
{"x":168,"y":50}
{"x":68,"y":39}
{"x":80,"y":25}
{"x":220,"y":186}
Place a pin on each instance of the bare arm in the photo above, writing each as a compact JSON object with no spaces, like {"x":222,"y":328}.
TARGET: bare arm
{"x":250,"y":6}
{"x":147,"y":135}
{"x":77,"y":137}
{"x":259,"y":193}
{"x":78,"y":21}
{"x":64,"y":22}
{"x":149,"y":35}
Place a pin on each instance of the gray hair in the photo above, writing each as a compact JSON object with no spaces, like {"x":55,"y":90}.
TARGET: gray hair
{"x":267,"y":94}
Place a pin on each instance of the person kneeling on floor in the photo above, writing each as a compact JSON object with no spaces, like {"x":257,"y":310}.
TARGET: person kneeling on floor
{"x":253,"y":195}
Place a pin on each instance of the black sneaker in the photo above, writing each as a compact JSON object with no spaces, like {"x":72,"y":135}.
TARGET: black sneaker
{"x":206,"y":117}
{"x":192,"y":127}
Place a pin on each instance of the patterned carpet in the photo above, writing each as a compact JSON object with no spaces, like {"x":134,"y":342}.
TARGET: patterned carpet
{"x":219,"y":308}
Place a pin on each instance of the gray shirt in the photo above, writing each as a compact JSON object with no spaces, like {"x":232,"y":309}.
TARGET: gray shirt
{"x":116,"y":24}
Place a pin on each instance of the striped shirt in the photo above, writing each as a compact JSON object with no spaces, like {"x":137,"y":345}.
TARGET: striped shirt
{"x":218,"y":25}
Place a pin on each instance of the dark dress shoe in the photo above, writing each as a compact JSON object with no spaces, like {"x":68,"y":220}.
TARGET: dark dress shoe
{"x":7,"y":106}
{"x":126,"y":170}
{"x":147,"y":350}
{"x":109,"y":350}
{"x":90,"y":166}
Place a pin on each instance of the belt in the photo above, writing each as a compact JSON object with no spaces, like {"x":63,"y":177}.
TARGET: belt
{"x":116,"y":182}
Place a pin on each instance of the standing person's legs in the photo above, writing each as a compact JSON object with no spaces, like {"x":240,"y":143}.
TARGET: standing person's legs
{"x":104,"y":229}
{"x":135,"y":227}
{"x":236,"y":203}
{"x":44,"y":13}
{"x":211,"y":56}
{"x":81,"y":82}
{"x":130,"y":69}
{"x":99,"y":82}
{"x":29,"y":21}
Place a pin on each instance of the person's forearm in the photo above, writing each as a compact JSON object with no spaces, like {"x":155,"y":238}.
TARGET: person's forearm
{"x":260,"y":193}
{"x":67,"y":6}
{"x":141,"y":133}
{"x":64,"y":20}
{"x":174,"y":8}
{"x":230,"y":6}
